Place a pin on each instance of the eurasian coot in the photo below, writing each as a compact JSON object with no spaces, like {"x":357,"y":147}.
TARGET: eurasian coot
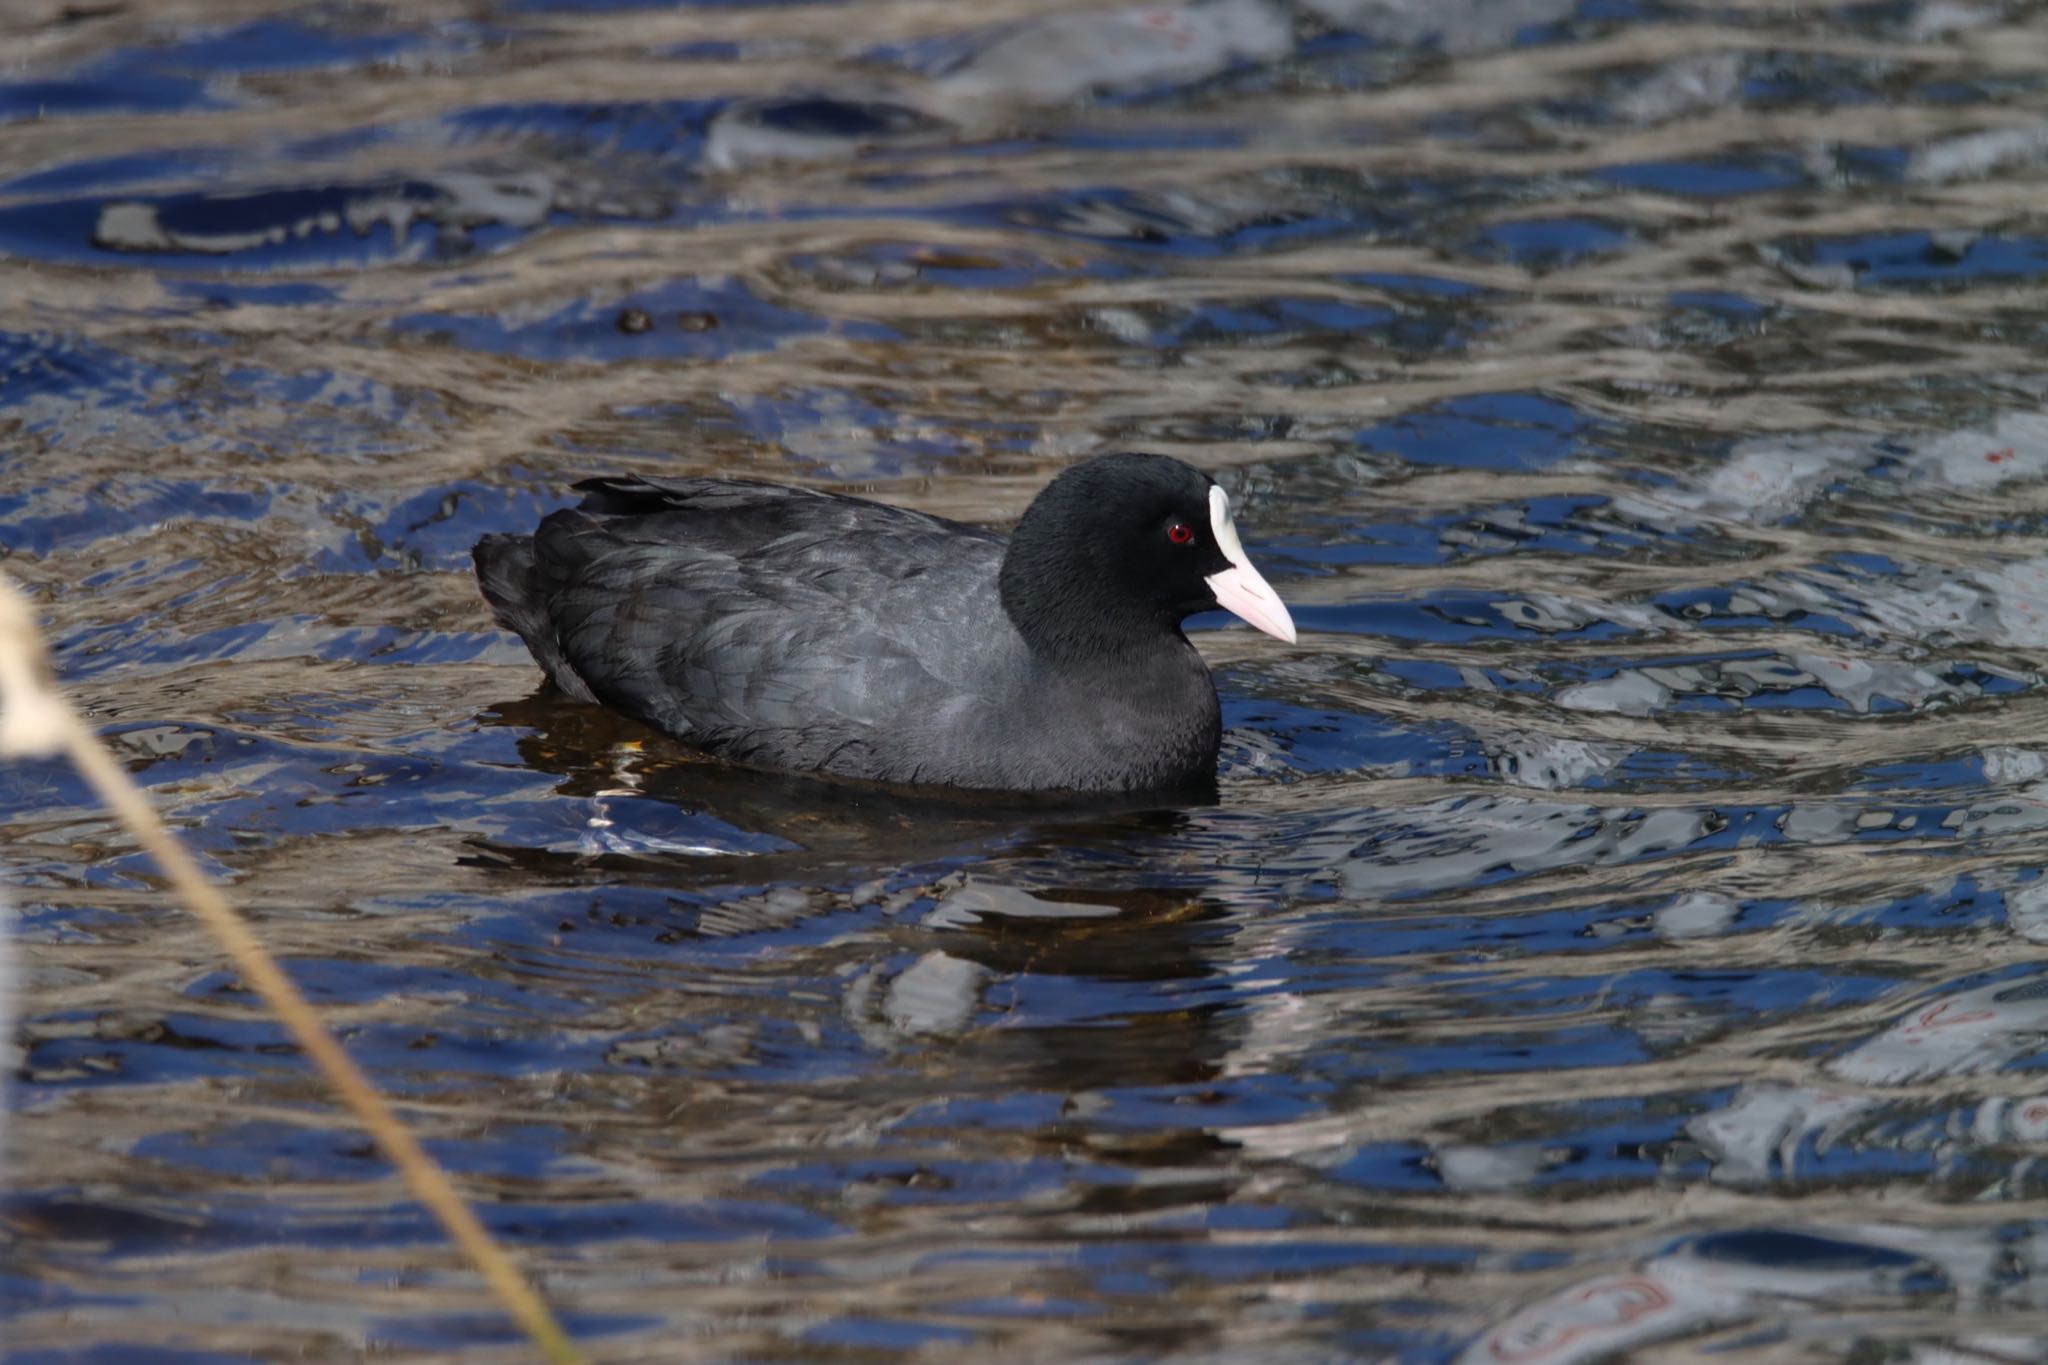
{"x":796,"y":629}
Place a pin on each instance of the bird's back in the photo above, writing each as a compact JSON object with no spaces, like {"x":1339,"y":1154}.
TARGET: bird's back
{"x":774,"y":625}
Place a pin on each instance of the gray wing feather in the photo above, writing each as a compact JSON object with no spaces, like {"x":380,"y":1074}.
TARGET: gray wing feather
{"x":775,"y":625}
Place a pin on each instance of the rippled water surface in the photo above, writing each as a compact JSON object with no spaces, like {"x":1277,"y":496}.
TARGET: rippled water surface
{"x":1620,"y":927}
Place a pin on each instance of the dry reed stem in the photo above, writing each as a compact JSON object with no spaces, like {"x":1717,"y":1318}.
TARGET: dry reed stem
{"x":35,"y":719}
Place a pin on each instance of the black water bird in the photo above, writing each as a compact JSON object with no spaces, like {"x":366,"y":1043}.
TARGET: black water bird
{"x":789,"y":628}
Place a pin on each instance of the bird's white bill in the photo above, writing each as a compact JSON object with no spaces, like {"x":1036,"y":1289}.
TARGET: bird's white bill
{"x":1240,"y":589}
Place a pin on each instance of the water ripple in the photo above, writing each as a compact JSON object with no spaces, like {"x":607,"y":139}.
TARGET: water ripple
{"x":1619,"y":929}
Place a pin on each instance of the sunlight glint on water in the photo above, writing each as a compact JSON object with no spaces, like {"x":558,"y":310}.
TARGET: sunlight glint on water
{"x":1622,"y":925}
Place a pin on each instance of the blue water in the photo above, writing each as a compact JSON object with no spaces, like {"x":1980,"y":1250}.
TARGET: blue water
{"x":1619,"y":928}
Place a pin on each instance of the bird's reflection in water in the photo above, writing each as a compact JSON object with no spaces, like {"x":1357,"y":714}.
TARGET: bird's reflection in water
{"x":803,"y":827}
{"x":1023,"y":944}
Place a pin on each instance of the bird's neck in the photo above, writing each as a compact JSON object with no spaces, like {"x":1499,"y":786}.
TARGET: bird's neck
{"x":1065,"y":617}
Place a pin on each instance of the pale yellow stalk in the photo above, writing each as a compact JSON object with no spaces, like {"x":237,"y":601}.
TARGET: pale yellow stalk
{"x":35,"y":719}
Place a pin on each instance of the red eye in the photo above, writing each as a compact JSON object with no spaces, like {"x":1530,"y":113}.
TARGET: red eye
{"x":1180,"y":533}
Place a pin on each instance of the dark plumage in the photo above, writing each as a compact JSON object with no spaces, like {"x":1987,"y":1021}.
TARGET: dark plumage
{"x":796,"y":629}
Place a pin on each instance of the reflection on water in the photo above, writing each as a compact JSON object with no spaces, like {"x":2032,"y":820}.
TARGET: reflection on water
{"x":1619,"y":924}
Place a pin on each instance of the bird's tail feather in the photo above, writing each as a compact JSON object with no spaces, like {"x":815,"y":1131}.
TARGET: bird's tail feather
{"x":505,"y":573}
